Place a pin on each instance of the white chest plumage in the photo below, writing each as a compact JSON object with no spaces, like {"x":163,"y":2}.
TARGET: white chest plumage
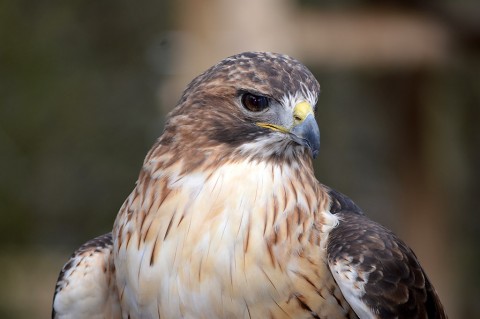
{"x":223,"y":244}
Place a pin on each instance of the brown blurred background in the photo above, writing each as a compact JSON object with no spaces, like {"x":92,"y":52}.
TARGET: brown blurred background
{"x":85,"y":86}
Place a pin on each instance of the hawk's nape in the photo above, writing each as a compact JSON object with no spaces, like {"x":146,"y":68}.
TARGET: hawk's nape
{"x":227,"y":219}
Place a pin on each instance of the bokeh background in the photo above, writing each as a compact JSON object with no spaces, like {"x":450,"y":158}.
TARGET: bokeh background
{"x":85,"y":87}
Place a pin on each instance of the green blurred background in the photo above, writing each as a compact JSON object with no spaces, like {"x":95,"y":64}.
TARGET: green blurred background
{"x":85,"y":86}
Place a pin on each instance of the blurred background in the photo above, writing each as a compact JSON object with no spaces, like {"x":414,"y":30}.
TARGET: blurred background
{"x":85,"y":87}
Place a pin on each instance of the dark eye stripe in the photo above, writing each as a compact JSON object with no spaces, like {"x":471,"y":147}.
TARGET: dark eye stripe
{"x":254,"y":103}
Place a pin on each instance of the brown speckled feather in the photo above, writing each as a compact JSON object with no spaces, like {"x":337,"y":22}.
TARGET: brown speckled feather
{"x":86,"y":285}
{"x":389,"y":279}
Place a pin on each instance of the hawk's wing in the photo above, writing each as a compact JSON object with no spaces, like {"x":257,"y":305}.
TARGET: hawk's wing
{"x":86,"y":284}
{"x":378,"y":274}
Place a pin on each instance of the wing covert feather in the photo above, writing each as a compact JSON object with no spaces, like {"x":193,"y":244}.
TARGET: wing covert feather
{"x":86,"y":285}
{"x":379,"y":275}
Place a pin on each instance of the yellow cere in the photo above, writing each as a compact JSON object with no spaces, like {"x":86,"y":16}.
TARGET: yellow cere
{"x":301,"y":111}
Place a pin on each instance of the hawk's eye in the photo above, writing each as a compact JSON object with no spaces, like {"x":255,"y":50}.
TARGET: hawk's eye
{"x":254,"y":103}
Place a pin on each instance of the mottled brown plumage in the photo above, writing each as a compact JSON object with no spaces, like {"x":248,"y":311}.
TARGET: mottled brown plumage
{"x":227,"y":219}
{"x":395,"y":284}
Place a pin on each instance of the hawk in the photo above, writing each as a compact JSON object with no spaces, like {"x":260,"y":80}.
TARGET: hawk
{"x":227,"y":219}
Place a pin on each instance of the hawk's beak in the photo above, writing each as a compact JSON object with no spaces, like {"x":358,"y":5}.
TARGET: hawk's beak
{"x":305,"y":127}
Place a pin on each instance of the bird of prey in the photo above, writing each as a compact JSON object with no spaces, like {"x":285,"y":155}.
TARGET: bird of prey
{"x":227,"y":219}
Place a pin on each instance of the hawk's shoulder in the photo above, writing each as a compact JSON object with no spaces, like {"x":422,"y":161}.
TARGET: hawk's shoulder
{"x":379,"y":275}
{"x":85,"y":286}
{"x":340,"y":203}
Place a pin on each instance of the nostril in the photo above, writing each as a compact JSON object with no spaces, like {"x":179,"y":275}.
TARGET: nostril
{"x":297,"y":118}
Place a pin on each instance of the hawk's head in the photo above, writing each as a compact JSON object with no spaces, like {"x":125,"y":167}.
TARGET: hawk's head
{"x":254,"y":104}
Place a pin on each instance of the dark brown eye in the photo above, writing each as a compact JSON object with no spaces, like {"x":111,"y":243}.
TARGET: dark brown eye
{"x":254,"y":103}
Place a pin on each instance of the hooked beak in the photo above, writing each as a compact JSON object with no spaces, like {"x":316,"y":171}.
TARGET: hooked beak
{"x":304,"y":129}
